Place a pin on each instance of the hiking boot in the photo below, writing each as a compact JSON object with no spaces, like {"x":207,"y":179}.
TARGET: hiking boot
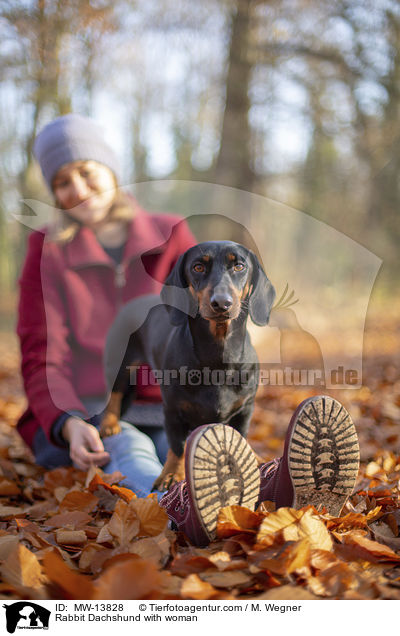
{"x":320,"y":460}
{"x":221,"y":470}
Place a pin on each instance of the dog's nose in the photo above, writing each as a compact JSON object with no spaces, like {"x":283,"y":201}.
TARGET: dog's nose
{"x":221,"y":302}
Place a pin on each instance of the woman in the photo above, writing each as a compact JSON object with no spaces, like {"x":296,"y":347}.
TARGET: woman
{"x":101,"y":251}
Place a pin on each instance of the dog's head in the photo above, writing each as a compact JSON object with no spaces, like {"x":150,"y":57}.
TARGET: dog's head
{"x":218,"y":280}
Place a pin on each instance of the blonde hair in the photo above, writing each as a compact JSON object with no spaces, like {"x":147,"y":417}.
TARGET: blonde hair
{"x":64,"y":228}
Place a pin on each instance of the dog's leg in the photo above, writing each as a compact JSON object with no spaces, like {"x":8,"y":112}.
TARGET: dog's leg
{"x":173,"y":471}
{"x":110,"y":423}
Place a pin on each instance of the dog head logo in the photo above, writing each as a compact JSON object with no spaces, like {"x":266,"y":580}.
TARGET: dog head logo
{"x":26,"y":615}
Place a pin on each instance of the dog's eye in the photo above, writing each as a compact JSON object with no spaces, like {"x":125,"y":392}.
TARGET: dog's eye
{"x":199,"y":268}
{"x":239,"y":267}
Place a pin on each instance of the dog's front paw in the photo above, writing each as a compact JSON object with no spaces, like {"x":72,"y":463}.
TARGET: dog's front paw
{"x":110,"y":425}
{"x":173,"y":471}
{"x":166,"y":480}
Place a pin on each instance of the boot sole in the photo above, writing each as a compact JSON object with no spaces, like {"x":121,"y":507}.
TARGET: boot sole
{"x":324,"y":455}
{"x":221,"y":470}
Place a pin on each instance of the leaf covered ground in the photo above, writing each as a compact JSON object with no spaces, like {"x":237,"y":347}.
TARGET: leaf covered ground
{"x":65,"y":534}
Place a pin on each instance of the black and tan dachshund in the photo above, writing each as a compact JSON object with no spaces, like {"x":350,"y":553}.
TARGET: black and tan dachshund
{"x":198,"y":339}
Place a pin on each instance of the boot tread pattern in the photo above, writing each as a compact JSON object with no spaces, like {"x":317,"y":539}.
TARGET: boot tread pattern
{"x":224,"y":473}
{"x":323,"y":455}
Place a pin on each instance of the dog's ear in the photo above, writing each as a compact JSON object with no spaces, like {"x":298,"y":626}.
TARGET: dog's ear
{"x":177,"y":296}
{"x":262,"y":294}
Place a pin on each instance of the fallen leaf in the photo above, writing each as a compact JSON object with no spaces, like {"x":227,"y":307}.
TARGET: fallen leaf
{"x":225,"y":579}
{"x":311,"y":526}
{"x":70,"y":537}
{"x":124,"y":523}
{"x":77,"y":500}
{"x":288,"y":558}
{"x":97,"y":482}
{"x":237,"y":519}
{"x":10,"y":512}
{"x":72,"y":584}
{"x":193,"y":587}
{"x":275,"y":522}
{"x":153,"y":519}
{"x":130,"y":579}
{"x":58,"y":477}
{"x":321,"y":559}
{"x":21,"y":568}
{"x":186,"y":564}
{"x":370,"y":550}
{"x":73,"y":519}
{"x":88,"y":556}
{"x":8,"y":487}
{"x":287,"y":593}
{"x":148,"y":549}
{"x":333,"y":580}
{"x":8,"y":543}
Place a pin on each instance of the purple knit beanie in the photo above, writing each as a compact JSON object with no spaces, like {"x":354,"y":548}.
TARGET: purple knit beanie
{"x":71,"y":138}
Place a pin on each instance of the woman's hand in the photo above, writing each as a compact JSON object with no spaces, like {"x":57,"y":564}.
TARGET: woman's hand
{"x":85,"y":445}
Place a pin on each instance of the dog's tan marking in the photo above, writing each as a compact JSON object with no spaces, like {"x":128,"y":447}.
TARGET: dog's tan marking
{"x":219,"y":329}
{"x":231,"y":257}
{"x":195,"y":294}
{"x":245,"y":291}
{"x":173,"y":471}
{"x":237,"y":404}
{"x":185,"y":405}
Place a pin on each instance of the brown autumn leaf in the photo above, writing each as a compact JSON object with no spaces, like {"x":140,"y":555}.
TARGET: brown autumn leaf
{"x":124,"y":524}
{"x":333,"y":580}
{"x":79,"y":500}
{"x":234,"y":578}
{"x":153,"y":519}
{"x":369,"y":550}
{"x":41,"y":510}
{"x":72,"y":584}
{"x":170,"y":585}
{"x":149,"y":550}
{"x":89,"y":556}
{"x":98,"y":482}
{"x":8,"y":487}
{"x":274,"y":522}
{"x":311,"y":526}
{"x":70,"y":537}
{"x":321,"y":559}
{"x":352,"y":520}
{"x":384,"y":534}
{"x":186,"y":564}
{"x":73,"y":519}
{"x":10,"y":512}
{"x":237,"y":519}
{"x":8,"y":544}
{"x":59,"y":477}
{"x":287,"y":593}
{"x":290,"y":557}
{"x":22,"y":568}
{"x":223,"y":561}
{"x":105,"y":535}
{"x":132,"y":578}
{"x":193,"y":587}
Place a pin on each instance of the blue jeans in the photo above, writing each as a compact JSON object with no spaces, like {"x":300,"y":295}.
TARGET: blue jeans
{"x":136,"y":454}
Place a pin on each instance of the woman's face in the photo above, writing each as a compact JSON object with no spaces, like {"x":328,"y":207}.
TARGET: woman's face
{"x":86,"y":189}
